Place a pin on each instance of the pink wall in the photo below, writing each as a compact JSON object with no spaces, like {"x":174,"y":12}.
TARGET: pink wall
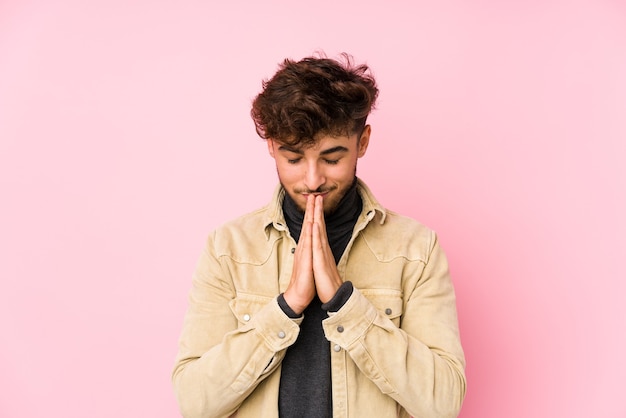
{"x":125,"y":138}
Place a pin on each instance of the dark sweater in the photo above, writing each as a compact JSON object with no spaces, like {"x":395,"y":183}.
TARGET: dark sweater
{"x":305,"y":381}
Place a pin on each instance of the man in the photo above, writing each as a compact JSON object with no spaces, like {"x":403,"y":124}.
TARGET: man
{"x":322,"y":303}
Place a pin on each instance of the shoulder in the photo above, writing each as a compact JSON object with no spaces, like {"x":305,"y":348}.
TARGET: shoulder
{"x":244,"y":223}
{"x":399,"y":236}
{"x":247,"y":238}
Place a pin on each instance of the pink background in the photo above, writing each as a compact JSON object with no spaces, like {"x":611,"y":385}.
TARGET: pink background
{"x":125,"y":138}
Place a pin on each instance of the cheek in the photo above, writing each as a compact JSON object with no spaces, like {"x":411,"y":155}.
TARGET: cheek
{"x":288,"y":173}
{"x":343,"y":172}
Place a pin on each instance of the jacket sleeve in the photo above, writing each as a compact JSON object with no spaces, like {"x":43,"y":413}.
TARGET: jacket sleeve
{"x":222,"y":359}
{"x":421,"y":363}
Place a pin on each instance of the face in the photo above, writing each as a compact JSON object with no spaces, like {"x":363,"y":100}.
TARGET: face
{"x":327,"y":168}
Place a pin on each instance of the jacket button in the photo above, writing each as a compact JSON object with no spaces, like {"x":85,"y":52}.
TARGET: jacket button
{"x":281,"y":334}
{"x":293,"y":250}
{"x":337,"y":348}
{"x":388,"y":311}
{"x":340,"y":328}
{"x":246,"y":317}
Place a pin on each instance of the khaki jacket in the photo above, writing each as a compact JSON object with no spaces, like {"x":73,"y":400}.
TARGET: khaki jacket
{"x":395,"y":347}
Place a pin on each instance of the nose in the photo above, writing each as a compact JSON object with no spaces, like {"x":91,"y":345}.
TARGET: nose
{"x":314,"y":176}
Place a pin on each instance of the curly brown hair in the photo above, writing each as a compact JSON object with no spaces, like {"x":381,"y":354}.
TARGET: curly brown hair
{"x":312,"y":97}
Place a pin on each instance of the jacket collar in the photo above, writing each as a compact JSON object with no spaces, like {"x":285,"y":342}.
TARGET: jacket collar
{"x":274,"y":214}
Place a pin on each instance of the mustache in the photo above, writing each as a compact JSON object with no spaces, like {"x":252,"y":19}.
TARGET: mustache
{"x":319,"y":190}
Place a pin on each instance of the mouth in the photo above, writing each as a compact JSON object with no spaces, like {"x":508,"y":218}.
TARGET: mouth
{"x":322,"y":192}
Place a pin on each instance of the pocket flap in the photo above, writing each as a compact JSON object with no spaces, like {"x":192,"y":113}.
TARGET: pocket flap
{"x":387,"y":301}
{"x":245,"y":306}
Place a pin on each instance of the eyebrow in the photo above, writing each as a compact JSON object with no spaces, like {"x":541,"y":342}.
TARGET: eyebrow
{"x":332,"y":150}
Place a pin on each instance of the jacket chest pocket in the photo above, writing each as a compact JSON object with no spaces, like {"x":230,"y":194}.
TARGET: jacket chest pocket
{"x":245,"y":306}
{"x":387,"y":301}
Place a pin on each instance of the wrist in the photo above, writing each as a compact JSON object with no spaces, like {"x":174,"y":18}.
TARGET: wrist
{"x":286,"y":308}
{"x":297,"y":305}
{"x":341,"y":297}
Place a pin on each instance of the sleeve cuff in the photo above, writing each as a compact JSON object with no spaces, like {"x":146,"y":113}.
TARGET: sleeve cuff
{"x":341,"y":297}
{"x":285,"y":307}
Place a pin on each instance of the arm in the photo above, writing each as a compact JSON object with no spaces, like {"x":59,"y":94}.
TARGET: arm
{"x":419,"y":364}
{"x":221,"y":360}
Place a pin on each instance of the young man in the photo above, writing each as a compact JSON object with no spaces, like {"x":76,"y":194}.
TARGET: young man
{"x":322,"y":303}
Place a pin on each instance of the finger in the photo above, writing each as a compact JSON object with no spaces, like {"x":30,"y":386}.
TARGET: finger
{"x":325,"y":274}
{"x":301,"y":289}
{"x":303,"y":249}
{"x":309,"y":212}
{"x":319,"y":211}
{"x":320,"y":220}
{"x":306,"y":235}
{"x":305,"y":240}
{"x":320,"y":247}
{"x":316,"y":236}
{"x":319,"y":252}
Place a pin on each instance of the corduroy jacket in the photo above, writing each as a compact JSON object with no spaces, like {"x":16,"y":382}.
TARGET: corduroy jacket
{"x":395,"y":346}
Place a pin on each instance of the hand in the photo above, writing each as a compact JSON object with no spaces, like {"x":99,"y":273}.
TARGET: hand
{"x":325,"y":274}
{"x":314,"y":268}
{"x":301,"y":289}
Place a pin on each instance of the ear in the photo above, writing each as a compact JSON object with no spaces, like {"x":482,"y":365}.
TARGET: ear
{"x":364,"y":140}
{"x":270,"y":147}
